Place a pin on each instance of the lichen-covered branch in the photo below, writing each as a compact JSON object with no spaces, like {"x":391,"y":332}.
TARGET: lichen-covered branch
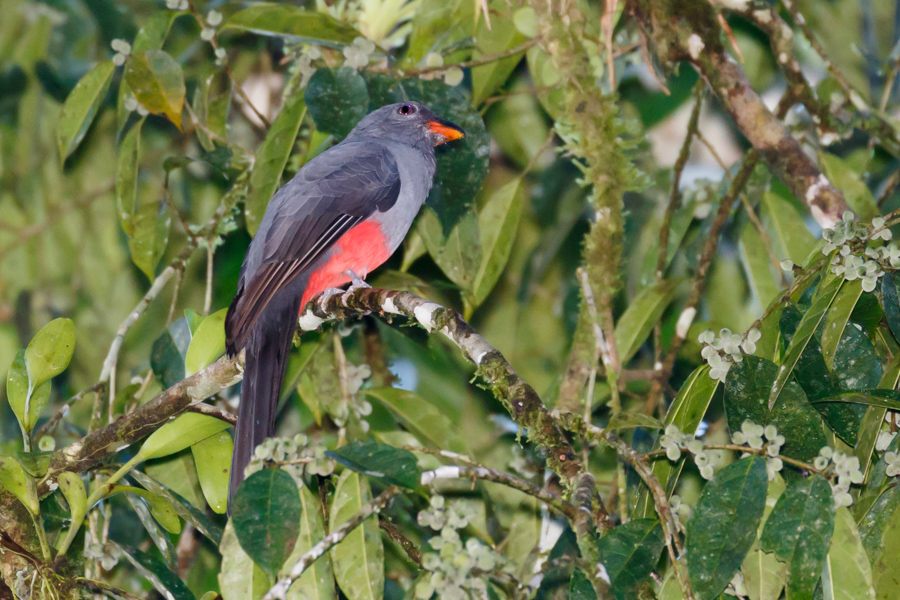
{"x":280,"y":589}
{"x":688,"y":31}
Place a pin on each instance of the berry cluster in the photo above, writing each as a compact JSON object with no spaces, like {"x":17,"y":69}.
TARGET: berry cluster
{"x":726,"y":349}
{"x":752,"y":434}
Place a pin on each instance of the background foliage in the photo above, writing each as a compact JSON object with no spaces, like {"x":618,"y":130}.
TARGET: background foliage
{"x":671,"y":218}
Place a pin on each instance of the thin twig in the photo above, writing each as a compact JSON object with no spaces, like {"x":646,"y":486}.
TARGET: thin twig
{"x":207,"y":300}
{"x":393,"y":532}
{"x":50,"y":426}
{"x":280,"y":589}
{"x":467,"y":64}
{"x":105,"y":588}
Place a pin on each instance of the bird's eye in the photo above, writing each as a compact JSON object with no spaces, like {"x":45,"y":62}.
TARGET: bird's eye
{"x":406,"y":109}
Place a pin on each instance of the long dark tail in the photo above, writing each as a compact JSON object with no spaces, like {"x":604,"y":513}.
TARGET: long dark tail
{"x":267,"y":347}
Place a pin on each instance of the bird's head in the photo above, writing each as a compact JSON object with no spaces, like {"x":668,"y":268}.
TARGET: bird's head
{"x":410,"y":123}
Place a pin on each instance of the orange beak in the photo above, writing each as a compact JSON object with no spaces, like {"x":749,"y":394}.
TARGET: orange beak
{"x":445,"y":131}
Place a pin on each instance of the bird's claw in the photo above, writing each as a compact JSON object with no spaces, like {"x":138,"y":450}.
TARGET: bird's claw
{"x":326,"y":295}
{"x":356,"y":283}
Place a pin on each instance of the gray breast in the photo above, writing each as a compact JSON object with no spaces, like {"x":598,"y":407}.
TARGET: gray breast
{"x":416,"y":178}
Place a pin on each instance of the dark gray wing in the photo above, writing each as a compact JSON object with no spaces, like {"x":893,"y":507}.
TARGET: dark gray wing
{"x":329,"y":196}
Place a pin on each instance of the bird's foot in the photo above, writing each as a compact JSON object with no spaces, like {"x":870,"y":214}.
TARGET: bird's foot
{"x":326,"y":295}
{"x":356,"y":283}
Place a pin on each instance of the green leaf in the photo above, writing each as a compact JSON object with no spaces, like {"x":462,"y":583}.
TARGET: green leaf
{"x":17,"y":393}
{"x":337,"y":99}
{"x":630,"y":552}
{"x":151,"y":235}
{"x":643,"y":311}
{"x":266,"y":516}
{"x":764,"y":575}
{"x":837,"y":317}
{"x":891,"y":303}
{"x":127,"y":160}
{"x":873,"y":419}
{"x":847,"y":574}
{"x":49,"y":352}
{"x":292,"y":21}
{"x":420,"y":418}
{"x":72,"y":487}
{"x":758,"y":265}
{"x":746,"y":388}
{"x":207,"y":344}
{"x":212,"y":458}
{"x":14,"y":479}
{"x":500,"y":37}
{"x":799,"y":531}
{"x":632,"y":420}
{"x":580,"y":588}
{"x":789,"y":234}
{"x":359,"y":559}
{"x":848,"y":180}
{"x":498,"y":223}
{"x":183,"y":432}
{"x":271,"y":158}
{"x":166,"y":361}
{"x":880,"y":533}
{"x":160,"y":508}
{"x":240,"y":578}
{"x":459,"y":253}
{"x":686,"y":411}
{"x":393,"y":465}
{"x":157,"y":82}
{"x":212,"y":98}
{"x":723,"y":527}
{"x":185,"y":509}
{"x":317,"y":582}
{"x":81,"y":107}
{"x":160,"y":537}
{"x":157,"y":574}
{"x":821,"y":300}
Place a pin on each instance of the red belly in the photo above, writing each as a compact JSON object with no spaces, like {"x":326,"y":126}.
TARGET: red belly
{"x":361,"y":250}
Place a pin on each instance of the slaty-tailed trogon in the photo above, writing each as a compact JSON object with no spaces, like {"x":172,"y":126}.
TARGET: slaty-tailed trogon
{"x":341,"y":216}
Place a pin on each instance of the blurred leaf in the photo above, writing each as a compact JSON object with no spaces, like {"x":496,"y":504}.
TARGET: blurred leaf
{"x":799,"y":531}
{"x":157,"y":574}
{"x":764,"y":574}
{"x":545,"y":75}
{"x":459,"y":254}
{"x":317,"y":582}
{"x":440,"y":26}
{"x":837,"y":317}
{"x":158,"y":535}
{"x":81,"y":107}
{"x":686,"y":411}
{"x":891,"y":303}
{"x":758,"y":265}
{"x":160,"y":508}
{"x":880,"y":533}
{"x":643,"y":311}
{"x":157,"y":82}
{"x":821,"y":301}
{"x":393,"y":465}
{"x":630,"y":552}
{"x":790,"y":236}
{"x":337,"y":99}
{"x":519,"y":126}
{"x":185,"y":509}
{"x":240,"y":578}
{"x":420,"y":418}
{"x":193,"y":319}
{"x":847,"y":179}
{"x":266,"y":516}
{"x":212,"y":98}
{"x":498,"y":223}
{"x":580,"y":588}
{"x":17,"y":393}
{"x":359,"y":559}
{"x":35,"y":463}
{"x":294,"y":22}
{"x":632,"y":420}
{"x":185,"y":431}
{"x":723,"y":527}
{"x":166,"y":361}
{"x":127,"y":176}
{"x":151,"y":235}
{"x":50,"y":350}
{"x":212,"y":458}
{"x":746,"y":389}
{"x":502,"y":36}
{"x":13,"y":478}
{"x":271,"y":158}
{"x":847,"y":574}
{"x":72,"y":487}
{"x":207,"y":344}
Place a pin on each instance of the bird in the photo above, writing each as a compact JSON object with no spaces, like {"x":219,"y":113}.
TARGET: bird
{"x":340,"y":217}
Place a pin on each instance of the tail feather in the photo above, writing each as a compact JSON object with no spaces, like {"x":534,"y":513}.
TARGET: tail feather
{"x":268,"y":345}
